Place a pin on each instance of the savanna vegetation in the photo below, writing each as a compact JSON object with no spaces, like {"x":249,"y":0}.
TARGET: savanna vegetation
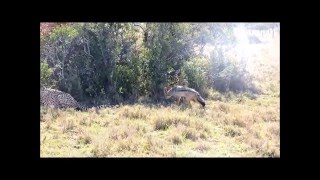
{"x":234,"y":66}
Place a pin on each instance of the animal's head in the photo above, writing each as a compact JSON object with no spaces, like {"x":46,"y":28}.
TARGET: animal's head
{"x":167,"y":93}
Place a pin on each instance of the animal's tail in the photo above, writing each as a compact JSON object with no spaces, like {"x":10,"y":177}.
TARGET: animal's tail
{"x":201,"y":100}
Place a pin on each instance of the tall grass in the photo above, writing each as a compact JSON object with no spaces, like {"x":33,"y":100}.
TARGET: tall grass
{"x":248,"y":129}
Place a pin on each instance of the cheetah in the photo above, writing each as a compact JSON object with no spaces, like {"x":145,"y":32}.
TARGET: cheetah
{"x":61,"y":100}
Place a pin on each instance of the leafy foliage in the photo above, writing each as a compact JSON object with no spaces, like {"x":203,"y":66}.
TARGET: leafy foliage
{"x":122,"y":61}
{"x":45,"y":73}
{"x":196,"y":73}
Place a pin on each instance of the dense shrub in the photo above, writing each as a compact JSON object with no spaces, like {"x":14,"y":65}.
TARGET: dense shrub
{"x":122,"y":61}
{"x":229,"y":74}
{"x":196,"y":74}
{"x":45,"y":75}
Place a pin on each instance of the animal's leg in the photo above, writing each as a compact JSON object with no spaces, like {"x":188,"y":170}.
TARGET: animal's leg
{"x":181,"y":99}
{"x":188,"y":102}
{"x":178,"y":101}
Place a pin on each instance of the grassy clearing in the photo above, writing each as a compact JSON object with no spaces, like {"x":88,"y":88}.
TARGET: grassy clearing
{"x":230,"y":126}
{"x":247,"y":128}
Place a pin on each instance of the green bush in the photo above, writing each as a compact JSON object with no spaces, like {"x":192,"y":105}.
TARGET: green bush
{"x":196,"y":73}
{"x":64,"y":31}
{"x":45,"y":75}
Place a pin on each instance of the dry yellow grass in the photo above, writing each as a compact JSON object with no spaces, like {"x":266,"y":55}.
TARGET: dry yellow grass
{"x":224,"y":129}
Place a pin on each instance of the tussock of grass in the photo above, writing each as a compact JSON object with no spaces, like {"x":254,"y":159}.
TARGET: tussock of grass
{"x":84,"y":138}
{"x":122,"y":132}
{"x":224,"y":108}
{"x":133,"y":113}
{"x":176,"y":139}
{"x":232,"y":131}
{"x":202,"y":146}
{"x":240,"y":122}
{"x":67,"y":126}
{"x":191,"y":134}
{"x":274,"y":129}
{"x":161,"y":124}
